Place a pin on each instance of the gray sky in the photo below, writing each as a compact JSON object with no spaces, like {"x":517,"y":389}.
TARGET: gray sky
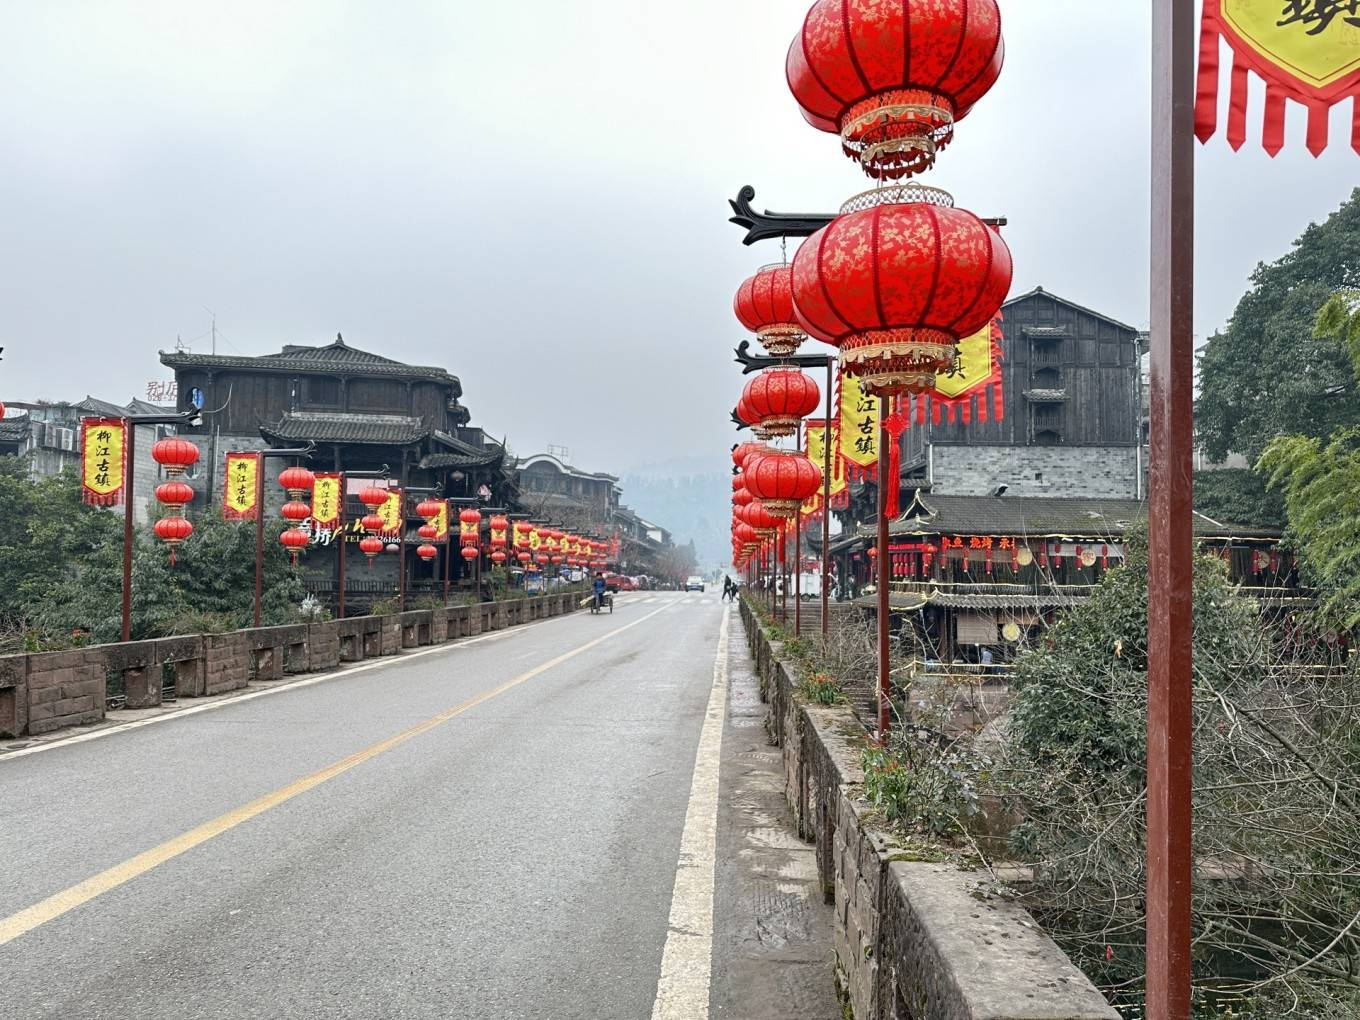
{"x":533,"y":194}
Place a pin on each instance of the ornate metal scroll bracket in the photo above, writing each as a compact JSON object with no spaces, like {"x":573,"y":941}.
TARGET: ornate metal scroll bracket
{"x":764,"y":226}
{"x":755,"y":362}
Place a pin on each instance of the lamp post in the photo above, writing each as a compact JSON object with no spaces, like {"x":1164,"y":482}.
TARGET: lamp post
{"x":131,"y":422}
{"x":301,"y":452}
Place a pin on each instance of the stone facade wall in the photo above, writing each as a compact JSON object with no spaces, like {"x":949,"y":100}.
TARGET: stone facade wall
{"x":47,"y":691}
{"x":1109,"y":472}
{"x":911,"y":940}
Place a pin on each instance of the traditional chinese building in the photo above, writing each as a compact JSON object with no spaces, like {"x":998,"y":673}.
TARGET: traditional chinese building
{"x":553,"y":489}
{"x":361,"y":412}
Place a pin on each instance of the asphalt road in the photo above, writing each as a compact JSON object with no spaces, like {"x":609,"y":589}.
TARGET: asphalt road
{"x":514,"y":858}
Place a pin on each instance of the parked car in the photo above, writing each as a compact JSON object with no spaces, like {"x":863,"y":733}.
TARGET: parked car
{"x":694,"y":584}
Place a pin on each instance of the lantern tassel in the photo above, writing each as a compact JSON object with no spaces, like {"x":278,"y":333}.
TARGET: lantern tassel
{"x":1206,"y":94}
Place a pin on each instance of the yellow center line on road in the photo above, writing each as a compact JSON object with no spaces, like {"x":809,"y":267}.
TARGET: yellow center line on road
{"x":68,"y":899}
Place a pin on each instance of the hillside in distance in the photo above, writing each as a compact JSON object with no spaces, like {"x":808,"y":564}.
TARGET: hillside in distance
{"x":692,"y":497}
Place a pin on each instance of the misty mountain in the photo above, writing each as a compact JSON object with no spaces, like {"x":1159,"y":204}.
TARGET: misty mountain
{"x":692,"y":497}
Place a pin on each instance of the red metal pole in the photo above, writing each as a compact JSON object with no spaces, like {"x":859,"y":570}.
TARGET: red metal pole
{"x":826,"y":504}
{"x":798,"y":575}
{"x":1170,"y":540}
{"x":342,"y":538}
{"x":259,"y":536}
{"x":884,"y":621}
{"x":129,"y":478}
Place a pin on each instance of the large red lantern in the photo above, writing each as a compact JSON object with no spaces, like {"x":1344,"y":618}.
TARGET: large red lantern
{"x":896,"y":286}
{"x":172,"y":531}
{"x":372,"y":524}
{"x":296,"y":480}
{"x":470,"y":527}
{"x":175,"y":455}
{"x":783,"y":481}
{"x":470,"y":553}
{"x":742,"y":497}
{"x":523,"y":557}
{"x":294,"y":540}
{"x":764,"y":305}
{"x":776,"y":400}
{"x":174,"y":495}
{"x":373,"y":497}
{"x":427,"y":552}
{"x":371,"y":547}
{"x":758,"y":516}
{"x":429,"y":509}
{"x":746,"y":451}
{"x":498,"y":557}
{"x":893,"y":78}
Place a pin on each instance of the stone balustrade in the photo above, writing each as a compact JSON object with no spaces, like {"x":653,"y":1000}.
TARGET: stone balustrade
{"x":45,"y":691}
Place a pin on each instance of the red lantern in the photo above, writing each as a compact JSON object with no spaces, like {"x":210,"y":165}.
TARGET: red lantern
{"x":371,"y":547}
{"x":427,"y":552}
{"x":775,"y":401}
{"x":742,"y":497}
{"x":892,"y":79}
{"x":372,"y":524}
{"x":764,"y":305}
{"x":524,"y":557}
{"x":428,"y":532}
{"x":294,"y":540}
{"x":175,"y":455}
{"x":297,"y":480}
{"x":783,"y":481}
{"x":172,"y":531}
{"x":760,"y":518}
{"x":373,"y":497}
{"x":296,"y":511}
{"x":470,"y":553}
{"x":498,"y":557}
{"x":429,"y":509}
{"x":747,"y":450}
{"x":174,"y":494}
{"x":897,"y":286}
{"x":470,"y":526}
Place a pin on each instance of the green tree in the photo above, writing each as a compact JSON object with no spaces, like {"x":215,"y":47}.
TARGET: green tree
{"x":1238,"y":496}
{"x":1268,"y":373}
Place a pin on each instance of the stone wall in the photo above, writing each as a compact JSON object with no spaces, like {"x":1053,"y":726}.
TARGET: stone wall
{"x":47,"y":691}
{"x":1109,"y":472}
{"x":912,"y":940}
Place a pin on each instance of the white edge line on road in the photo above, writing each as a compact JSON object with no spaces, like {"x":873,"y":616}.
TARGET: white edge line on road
{"x":682,"y":991}
{"x":293,"y":685}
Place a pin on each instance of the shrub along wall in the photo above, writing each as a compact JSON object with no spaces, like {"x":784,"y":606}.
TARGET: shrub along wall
{"x":914,"y":940}
{"x":46,"y":691}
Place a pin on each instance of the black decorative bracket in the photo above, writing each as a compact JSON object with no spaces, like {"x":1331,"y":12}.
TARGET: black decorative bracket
{"x":764,"y":226}
{"x":756,"y":362}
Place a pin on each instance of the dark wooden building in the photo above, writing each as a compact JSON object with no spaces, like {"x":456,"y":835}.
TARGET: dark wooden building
{"x":363,"y":412}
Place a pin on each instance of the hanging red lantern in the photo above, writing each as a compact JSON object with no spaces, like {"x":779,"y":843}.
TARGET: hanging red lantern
{"x":764,"y":305}
{"x":373,"y":497}
{"x":296,"y":511}
{"x":174,"y":494}
{"x":498,"y":557}
{"x":428,"y":532}
{"x":469,"y":526}
{"x":296,"y":480}
{"x":427,"y":552}
{"x":172,"y":531}
{"x":892,"y":79}
{"x":470,"y":553}
{"x":523,"y":557}
{"x":372,"y":524}
{"x":371,"y":547}
{"x":175,"y":455}
{"x":500,"y":532}
{"x":896,"y":286}
{"x":775,"y":401}
{"x":783,"y":481}
{"x":742,"y":497}
{"x":747,"y":450}
{"x":294,"y":540}
{"x":759,"y":517}
{"x":429,"y":509}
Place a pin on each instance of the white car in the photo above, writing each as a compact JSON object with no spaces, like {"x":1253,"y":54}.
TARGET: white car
{"x":694,"y":584}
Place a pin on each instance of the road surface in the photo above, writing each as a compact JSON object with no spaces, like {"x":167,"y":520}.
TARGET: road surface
{"x":523,"y":825}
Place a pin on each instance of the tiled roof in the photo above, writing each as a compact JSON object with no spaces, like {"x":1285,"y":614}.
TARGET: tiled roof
{"x":334,"y":359}
{"x":460,"y":460}
{"x":14,"y":430}
{"x":373,"y":429}
{"x":1045,"y":516}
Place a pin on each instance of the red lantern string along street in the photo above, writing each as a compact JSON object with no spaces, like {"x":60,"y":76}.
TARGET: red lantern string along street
{"x":296,"y":482}
{"x":895,"y":285}
{"x":372,"y":497}
{"x":783,"y":481}
{"x":764,"y":305}
{"x":893,"y":79}
{"x":175,"y":456}
{"x":470,"y":528}
{"x":776,"y":400}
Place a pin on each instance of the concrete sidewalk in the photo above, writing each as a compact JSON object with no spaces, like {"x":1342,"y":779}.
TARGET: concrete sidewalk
{"x":772,"y":955}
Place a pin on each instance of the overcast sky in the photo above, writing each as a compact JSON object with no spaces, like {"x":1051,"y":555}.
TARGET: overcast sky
{"x":533,"y":195}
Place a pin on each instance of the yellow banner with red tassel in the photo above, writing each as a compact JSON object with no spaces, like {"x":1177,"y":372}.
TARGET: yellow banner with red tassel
{"x":103,"y":442}
{"x":1307,"y":51}
{"x":240,"y":497}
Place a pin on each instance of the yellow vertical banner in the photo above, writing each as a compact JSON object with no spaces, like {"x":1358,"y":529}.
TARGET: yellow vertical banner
{"x":240,"y":496}
{"x":861,"y":414}
{"x":391,"y":512}
{"x":102,"y":460}
{"x":328,"y":501}
{"x":441,"y":522}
